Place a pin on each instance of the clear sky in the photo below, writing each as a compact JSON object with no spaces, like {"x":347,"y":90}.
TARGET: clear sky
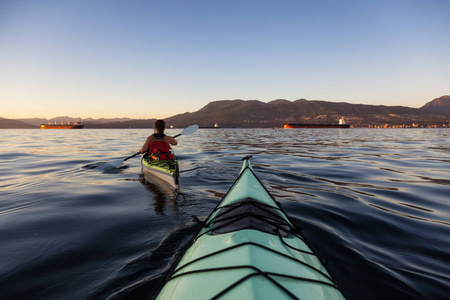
{"x":155,"y":59}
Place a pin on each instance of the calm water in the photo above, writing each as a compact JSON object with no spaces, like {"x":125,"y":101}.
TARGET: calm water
{"x":376,"y":203}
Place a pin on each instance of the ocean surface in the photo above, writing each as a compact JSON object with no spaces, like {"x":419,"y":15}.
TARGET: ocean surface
{"x":375,"y":202}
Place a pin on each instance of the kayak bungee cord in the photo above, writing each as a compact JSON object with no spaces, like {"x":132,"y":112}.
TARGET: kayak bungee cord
{"x":237,"y":267}
{"x":278,"y":226}
{"x":267,"y":275}
{"x":221,"y":222}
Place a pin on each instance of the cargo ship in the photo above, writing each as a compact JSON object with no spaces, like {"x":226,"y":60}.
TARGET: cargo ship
{"x":342,"y":124}
{"x":68,"y":125}
{"x":209,"y":127}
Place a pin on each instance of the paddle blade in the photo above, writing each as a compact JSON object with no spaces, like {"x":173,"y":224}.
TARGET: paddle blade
{"x":189,"y":130}
{"x":118,"y":162}
{"x":115,"y":163}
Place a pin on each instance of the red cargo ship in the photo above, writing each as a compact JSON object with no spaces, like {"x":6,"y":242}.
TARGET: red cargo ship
{"x":76,"y":125}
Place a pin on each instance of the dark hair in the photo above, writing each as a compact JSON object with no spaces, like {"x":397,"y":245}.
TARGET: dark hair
{"x":160,"y":126}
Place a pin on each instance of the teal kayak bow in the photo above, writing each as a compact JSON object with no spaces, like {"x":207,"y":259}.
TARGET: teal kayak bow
{"x":248,"y":249}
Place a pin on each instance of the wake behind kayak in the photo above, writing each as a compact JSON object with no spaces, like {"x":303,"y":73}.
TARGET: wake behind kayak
{"x":248,"y":249}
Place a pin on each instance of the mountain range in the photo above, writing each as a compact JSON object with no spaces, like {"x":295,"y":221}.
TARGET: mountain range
{"x":255,"y":114}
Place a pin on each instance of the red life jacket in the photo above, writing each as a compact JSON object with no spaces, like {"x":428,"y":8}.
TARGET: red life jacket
{"x":160,"y":150}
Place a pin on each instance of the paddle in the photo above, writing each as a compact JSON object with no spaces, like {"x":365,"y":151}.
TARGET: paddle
{"x":118,"y":162}
{"x":189,"y":130}
{"x":136,"y":154}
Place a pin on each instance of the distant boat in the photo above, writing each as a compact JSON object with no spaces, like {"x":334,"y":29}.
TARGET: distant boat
{"x":76,"y":125}
{"x":342,"y":124}
{"x":215,"y":126}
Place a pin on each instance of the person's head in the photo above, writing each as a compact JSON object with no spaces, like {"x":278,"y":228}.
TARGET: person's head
{"x":160,"y":126}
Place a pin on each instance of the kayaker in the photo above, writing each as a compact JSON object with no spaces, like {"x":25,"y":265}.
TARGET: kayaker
{"x":159,"y":127}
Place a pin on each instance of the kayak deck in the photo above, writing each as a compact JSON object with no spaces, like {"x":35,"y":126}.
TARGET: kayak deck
{"x":248,"y":249}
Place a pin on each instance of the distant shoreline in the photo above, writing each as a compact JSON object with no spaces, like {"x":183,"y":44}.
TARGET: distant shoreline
{"x":215,"y":128}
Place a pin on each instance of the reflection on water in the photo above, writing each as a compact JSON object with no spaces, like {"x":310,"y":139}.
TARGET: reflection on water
{"x":162,"y":193}
{"x":374,"y":202}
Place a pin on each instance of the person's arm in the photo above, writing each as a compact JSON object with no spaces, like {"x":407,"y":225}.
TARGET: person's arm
{"x":145,"y":146}
{"x":170,"y":140}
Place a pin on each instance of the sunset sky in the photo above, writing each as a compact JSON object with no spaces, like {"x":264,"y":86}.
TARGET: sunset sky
{"x":155,"y":59}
